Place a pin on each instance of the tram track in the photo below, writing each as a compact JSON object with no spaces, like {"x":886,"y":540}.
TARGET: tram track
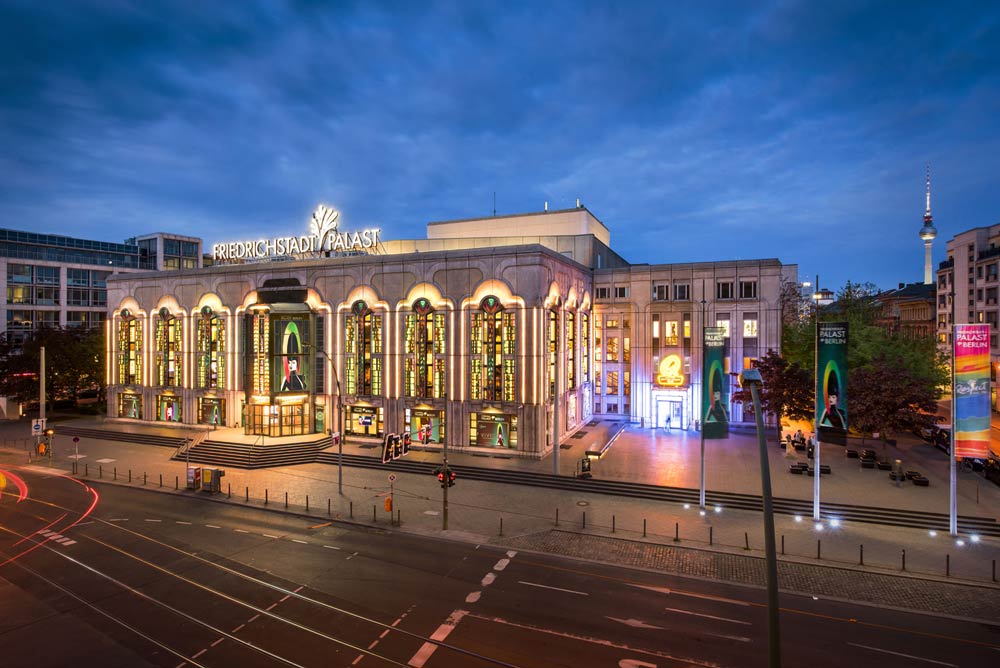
{"x":219,"y":583}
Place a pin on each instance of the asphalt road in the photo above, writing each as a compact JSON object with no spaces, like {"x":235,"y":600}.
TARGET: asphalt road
{"x":133,"y":578}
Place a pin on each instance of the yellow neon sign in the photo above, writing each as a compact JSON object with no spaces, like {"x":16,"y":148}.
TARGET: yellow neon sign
{"x":670,"y":372}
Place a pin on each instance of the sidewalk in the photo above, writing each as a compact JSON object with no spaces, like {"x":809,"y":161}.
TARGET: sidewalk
{"x":528,"y":516}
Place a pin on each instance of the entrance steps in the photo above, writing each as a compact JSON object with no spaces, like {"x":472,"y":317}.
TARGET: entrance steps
{"x":253,"y":456}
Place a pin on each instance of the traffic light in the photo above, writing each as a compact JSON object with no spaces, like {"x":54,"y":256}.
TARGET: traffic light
{"x":397,"y":446}
{"x":387,"y":449}
{"x":451,"y":478}
{"x":406,"y":442}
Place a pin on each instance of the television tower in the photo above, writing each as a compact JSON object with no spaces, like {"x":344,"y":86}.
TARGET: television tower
{"x":928,"y":233}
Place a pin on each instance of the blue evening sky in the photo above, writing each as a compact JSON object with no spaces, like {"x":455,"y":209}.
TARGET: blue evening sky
{"x":695,"y":131}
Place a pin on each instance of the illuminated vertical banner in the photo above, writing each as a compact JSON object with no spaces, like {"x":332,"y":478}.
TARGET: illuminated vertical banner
{"x":714,"y":392}
{"x":972,"y":391}
{"x":831,"y":382}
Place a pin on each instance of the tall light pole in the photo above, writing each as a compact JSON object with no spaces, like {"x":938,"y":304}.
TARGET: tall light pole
{"x":822,"y":298}
{"x":701,"y":486}
{"x":753,"y":378}
{"x":340,"y":417}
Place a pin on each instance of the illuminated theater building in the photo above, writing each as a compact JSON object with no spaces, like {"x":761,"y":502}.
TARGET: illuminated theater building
{"x":490,"y":333}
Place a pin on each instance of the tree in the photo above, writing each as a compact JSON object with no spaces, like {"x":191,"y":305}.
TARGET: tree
{"x":74,"y":361}
{"x":885,"y":397}
{"x":787,"y":389}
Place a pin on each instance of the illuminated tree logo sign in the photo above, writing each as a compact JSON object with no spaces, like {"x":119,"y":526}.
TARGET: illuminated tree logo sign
{"x":324,"y":237}
{"x":669,"y":373}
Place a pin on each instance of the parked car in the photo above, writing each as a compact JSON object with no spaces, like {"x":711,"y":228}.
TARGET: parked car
{"x":942,"y":437}
{"x":991,"y":471}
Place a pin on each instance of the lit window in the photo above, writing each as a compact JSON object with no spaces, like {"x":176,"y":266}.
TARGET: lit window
{"x":749,"y":328}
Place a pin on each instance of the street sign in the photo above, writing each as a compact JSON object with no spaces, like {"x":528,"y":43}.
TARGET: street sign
{"x":365,"y":420}
{"x":38,"y":426}
{"x":392,"y":477}
{"x":76,"y":439}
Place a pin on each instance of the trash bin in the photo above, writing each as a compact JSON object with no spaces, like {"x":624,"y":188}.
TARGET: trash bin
{"x":211,"y":480}
{"x":585,"y":468}
{"x":194,"y":477}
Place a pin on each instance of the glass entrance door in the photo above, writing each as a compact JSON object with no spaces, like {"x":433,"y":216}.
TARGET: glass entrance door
{"x":277,"y":420}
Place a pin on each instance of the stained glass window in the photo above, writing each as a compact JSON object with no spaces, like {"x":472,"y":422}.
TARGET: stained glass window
{"x":168,"y":335}
{"x":423,"y":365}
{"x":129,"y":371}
{"x":493,"y":342}
{"x":211,"y":350}
{"x":363,"y":351}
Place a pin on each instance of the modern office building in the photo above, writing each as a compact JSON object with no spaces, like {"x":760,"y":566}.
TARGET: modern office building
{"x":967,"y":287}
{"x":504,"y":332}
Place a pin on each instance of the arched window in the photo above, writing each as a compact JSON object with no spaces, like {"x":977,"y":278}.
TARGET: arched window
{"x":570,"y":350}
{"x":424,"y":350}
{"x":211,"y":350}
{"x":363,"y":351}
{"x":584,"y":347}
{"x":129,"y":352}
{"x":168,"y":338}
{"x":492,"y":345}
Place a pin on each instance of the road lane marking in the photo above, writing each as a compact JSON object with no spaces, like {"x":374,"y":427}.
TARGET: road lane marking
{"x":678,"y":592}
{"x":723,"y":635}
{"x":635,"y":623}
{"x":217,"y":642}
{"x":252,"y":619}
{"x":331,"y":547}
{"x":267,"y":535}
{"x":372,"y":646}
{"x":238,"y":628}
{"x":181,"y":522}
{"x":568,"y":591}
{"x":195,"y":656}
{"x":213,"y":526}
{"x":301,"y":542}
{"x":384,"y":633}
{"x":241,"y":531}
{"x":473,"y":597}
{"x":595,"y":641}
{"x":906,"y":656}
{"x":270,"y":607}
{"x":148,"y":520}
{"x":104,"y":461}
{"x":701,"y":614}
{"x":511,"y":553}
{"x":500,"y":565}
{"x":427,"y":649}
{"x":69,"y":542}
{"x":488,"y":579}
{"x":119,"y":519}
{"x":352,"y":555}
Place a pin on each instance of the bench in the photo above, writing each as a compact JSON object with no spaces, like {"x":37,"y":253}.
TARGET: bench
{"x":867,"y":463}
{"x":852,"y":453}
{"x":910,"y":475}
{"x":921,"y":482}
{"x":884,"y":466}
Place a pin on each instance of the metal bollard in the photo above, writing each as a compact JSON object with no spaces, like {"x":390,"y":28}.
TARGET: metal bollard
{"x":643,"y":527}
{"x":352,"y":509}
{"x":307,"y":503}
{"x":100,"y":471}
{"x":399,"y":517}
{"x":374,"y":515}
{"x":947,"y":565}
{"x":782,"y":544}
{"x":130,"y":475}
{"x":501,"y":525}
{"x":328,"y":505}
{"x":819,"y":545}
{"x":585,"y":519}
{"x":286,"y":499}
{"x":248,"y":493}
{"x":994,"y":570}
{"x":612,"y":524}
{"x":677,"y":532}
{"x":557,"y":516}
{"x":904,"y":560}
{"x":176,"y":483}
{"x":746,"y":540}
{"x":229,"y":492}
{"x":143,"y":477}
{"x":86,"y":470}
{"x":710,"y":537}
{"x":265,"y":496}
{"x":161,"y":480}
{"x":116,"y":473}
{"x":861,"y":554}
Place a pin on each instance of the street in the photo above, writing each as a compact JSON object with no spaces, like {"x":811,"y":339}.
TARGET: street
{"x":120,"y":576}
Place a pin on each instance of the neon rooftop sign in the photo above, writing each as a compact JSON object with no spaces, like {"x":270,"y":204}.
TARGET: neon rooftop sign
{"x":324,"y":237}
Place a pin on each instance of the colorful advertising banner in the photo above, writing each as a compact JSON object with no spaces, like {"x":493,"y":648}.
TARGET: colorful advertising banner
{"x":972,"y":391}
{"x":831,"y":382}
{"x":290,"y":358}
{"x":714,"y":389}
{"x":493,"y":431}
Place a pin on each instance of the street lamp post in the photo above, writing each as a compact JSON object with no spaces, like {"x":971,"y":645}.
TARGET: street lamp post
{"x":701,"y":485}
{"x":822,"y":298}
{"x":753,"y":378}
{"x":340,"y":417}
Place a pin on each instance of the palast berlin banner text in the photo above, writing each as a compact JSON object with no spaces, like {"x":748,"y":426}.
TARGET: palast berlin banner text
{"x":714,"y":394}
{"x":972,"y":391}
{"x":831,"y":382}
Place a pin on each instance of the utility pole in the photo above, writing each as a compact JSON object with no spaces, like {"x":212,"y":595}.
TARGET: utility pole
{"x":701,"y":485}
